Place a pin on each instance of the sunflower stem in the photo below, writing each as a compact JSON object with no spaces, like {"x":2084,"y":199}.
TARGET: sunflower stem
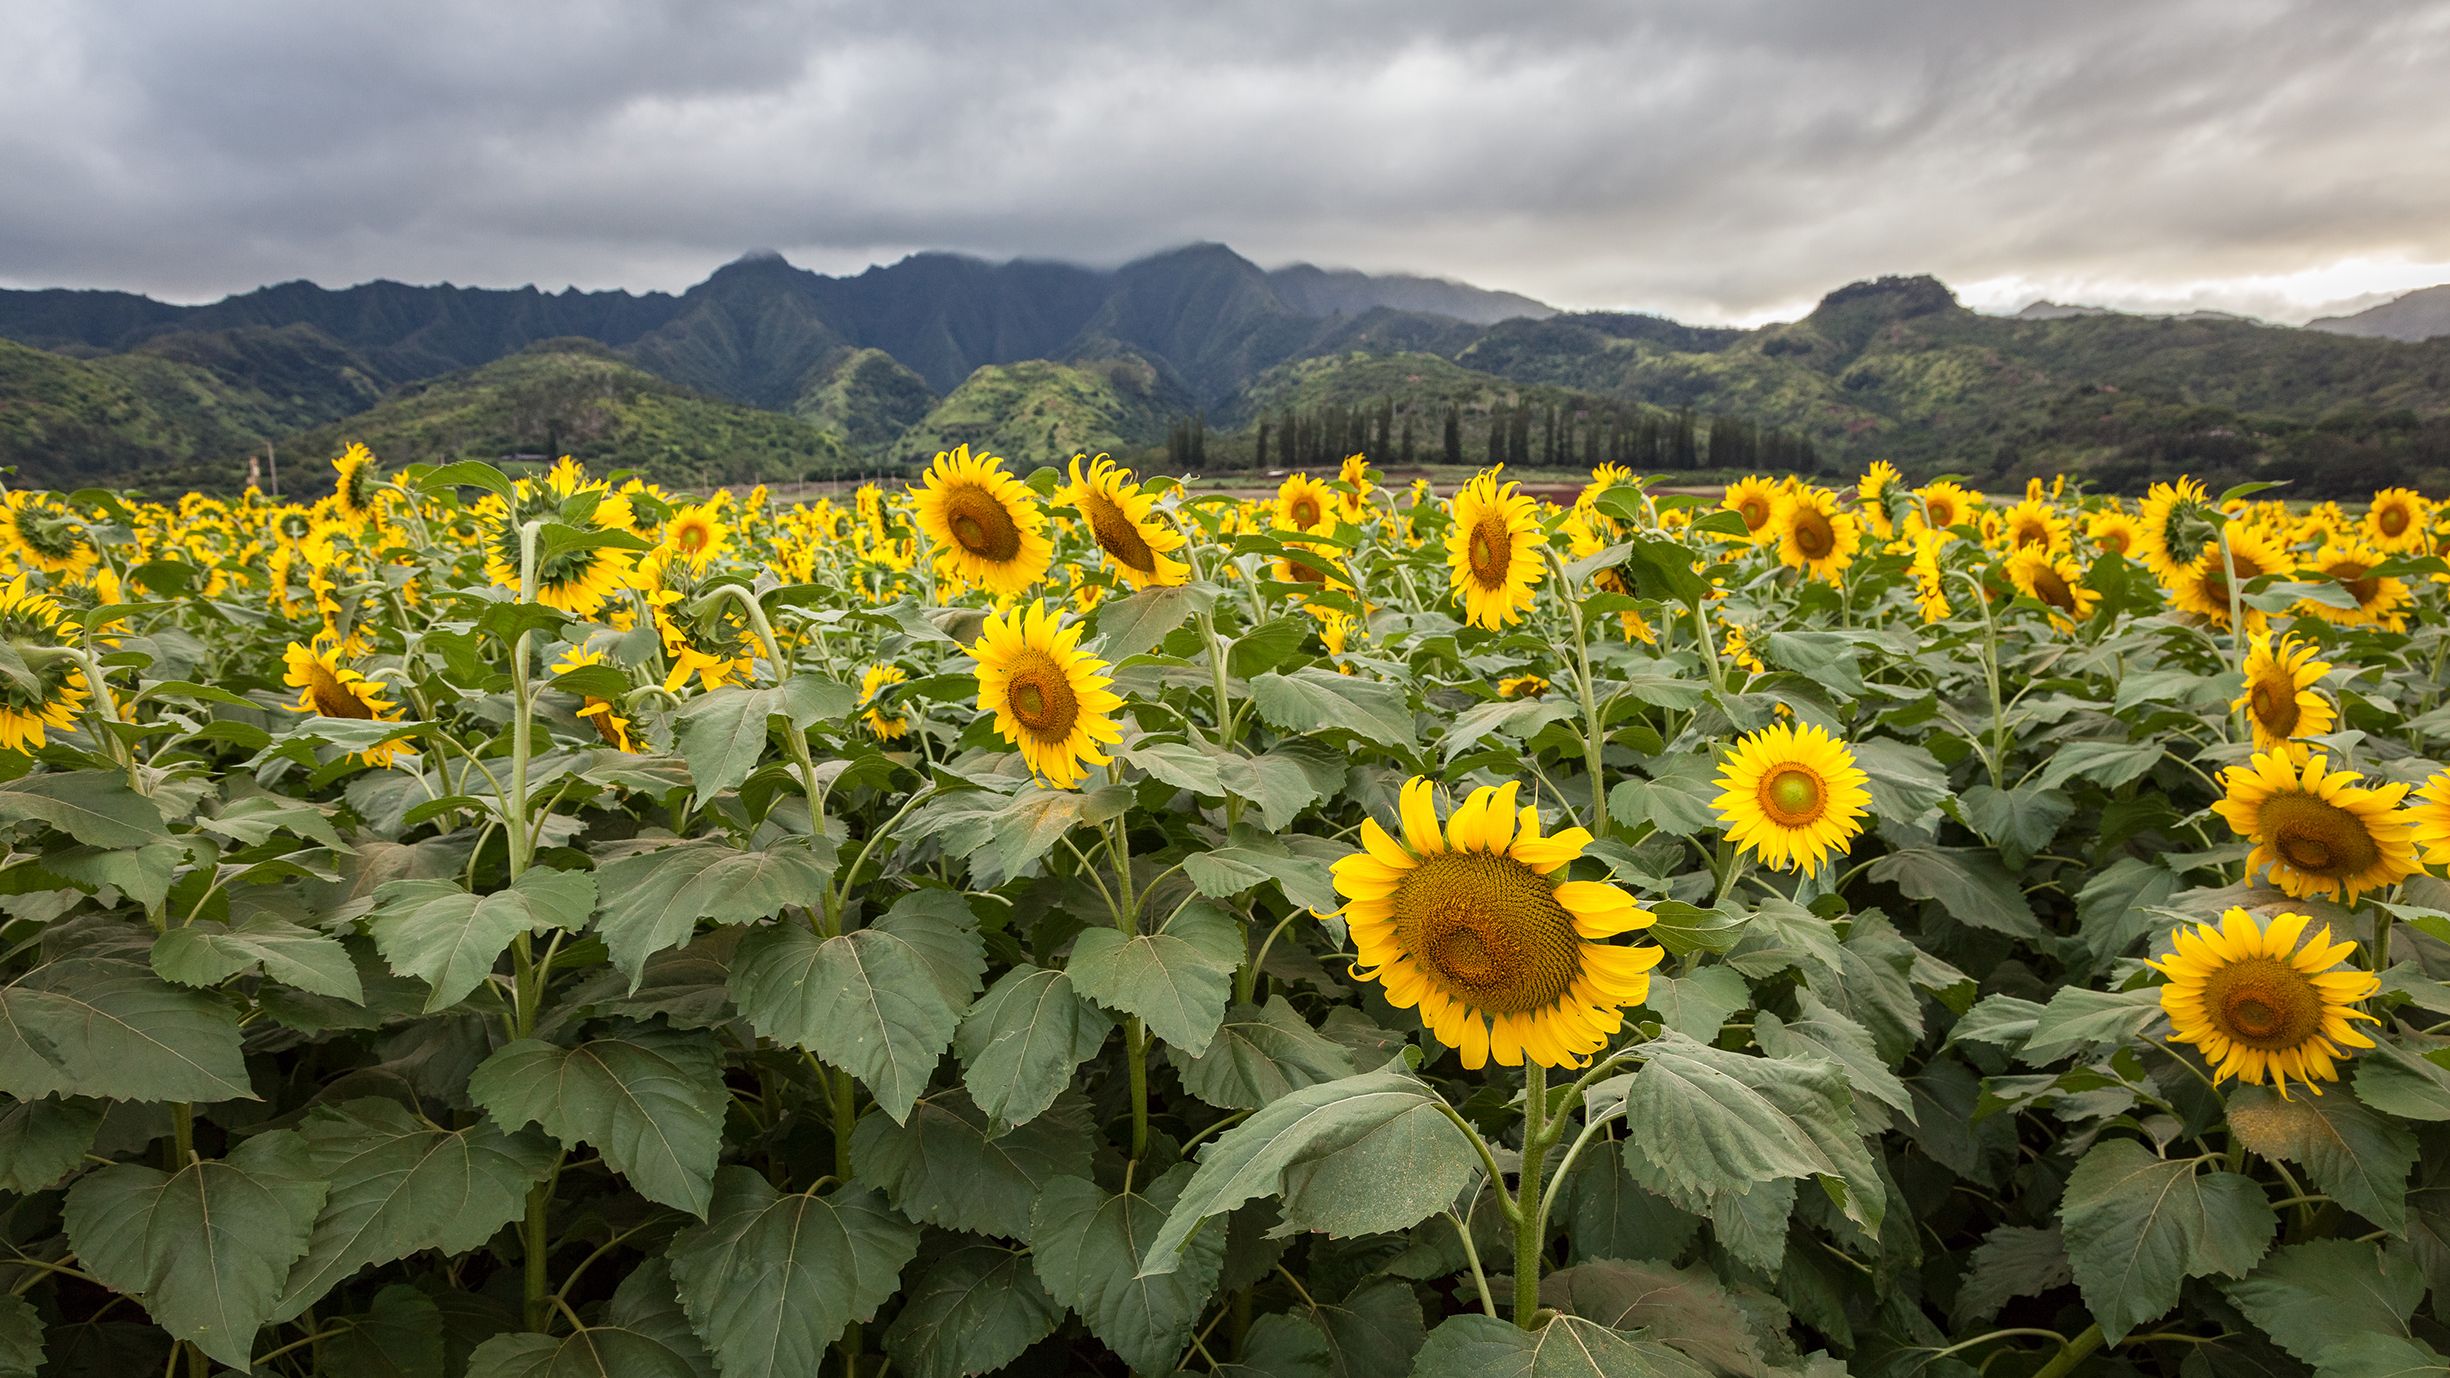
{"x":1527,"y":1212}
{"x":2382,"y":919}
{"x":2077,"y":1351}
{"x":1990,"y":675}
{"x":1594,"y":743}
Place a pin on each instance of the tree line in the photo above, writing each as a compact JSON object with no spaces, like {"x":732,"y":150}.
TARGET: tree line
{"x":1524,"y":434}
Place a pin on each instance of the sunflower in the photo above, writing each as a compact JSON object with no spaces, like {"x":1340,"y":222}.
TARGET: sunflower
{"x":1493,"y":551}
{"x":55,"y":689}
{"x":1755,"y":499}
{"x":1305,"y":504}
{"x":1476,"y":927}
{"x":1121,"y":519}
{"x":984,"y":522}
{"x":1048,"y":696}
{"x":1738,"y":651}
{"x":1872,"y":495}
{"x":357,"y":484}
{"x":2254,"y":1003}
{"x":695,"y":533}
{"x":1335,"y":632}
{"x":2165,"y":542}
{"x":1948,"y":504}
{"x":327,"y":687}
{"x":2055,"y":582}
{"x":579,"y":581}
{"x":45,"y":534}
{"x":2203,"y":587}
{"x":1930,"y":582}
{"x":2380,"y":603}
{"x":1291,"y":568}
{"x":2034,"y":523}
{"x":2114,"y":533}
{"x":1521,"y":687}
{"x":887,"y":727}
{"x":2318,"y":831}
{"x":599,"y":713}
{"x":2279,"y":696}
{"x":1813,"y":535}
{"x":2396,"y":521}
{"x":1794,"y":796}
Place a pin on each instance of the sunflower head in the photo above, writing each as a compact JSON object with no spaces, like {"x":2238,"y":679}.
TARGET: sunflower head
{"x":1521,"y":687}
{"x":2258,"y":1006}
{"x":1122,"y":518}
{"x":1049,"y":697}
{"x":2380,"y":602}
{"x":2279,"y":698}
{"x":2316,"y":830}
{"x":1813,"y":535}
{"x":2033,"y":523}
{"x":54,"y":689}
{"x":1948,"y":504}
{"x":2055,"y":582}
{"x":46,"y":534}
{"x":1755,"y":499}
{"x":1474,"y":924}
{"x":357,"y":483}
{"x":1794,"y":796}
{"x":2114,"y":533}
{"x":695,"y":533}
{"x":986,"y":524}
{"x":577,"y":581}
{"x":1305,"y":504}
{"x":2398,"y":519}
{"x":2173,"y":526}
{"x":2221,"y":571}
{"x":1493,"y":551}
{"x":328,"y":686}
{"x":887,"y":726}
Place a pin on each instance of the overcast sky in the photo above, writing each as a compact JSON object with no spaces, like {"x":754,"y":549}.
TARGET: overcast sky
{"x":1713,"y":160}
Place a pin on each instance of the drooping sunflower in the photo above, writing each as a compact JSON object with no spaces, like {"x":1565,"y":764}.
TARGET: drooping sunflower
{"x":1048,"y":696}
{"x":357,"y":481}
{"x":43,"y":532}
{"x":2034,"y":523}
{"x":2255,"y":1004}
{"x":2380,"y":602}
{"x":1521,"y":687}
{"x":576,"y":581}
{"x":1121,"y":518}
{"x":1813,"y":535}
{"x":2396,"y":521}
{"x":2164,"y":541}
{"x":602,"y":714}
{"x":36,"y":627}
{"x":2429,"y":819}
{"x":2317,"y":830}
{"x":2054,"y":581}
{"x":1476,"y":927}
{"x":695,"y":533}
{"x":1493,"y":551}
{"x":887,"y":727}
{"x":1872,"y":495}
{"x":2279,"y":696}
{"x":1930,"y":581}
{"x":1305,"y":504}
{"x":2114,"y":533}
{"x":1794,"y":796}
{"x":2203,"y":587}
{"x":986,"y":524}
{"x":335,"y":690}
{"x":1755,"y":499}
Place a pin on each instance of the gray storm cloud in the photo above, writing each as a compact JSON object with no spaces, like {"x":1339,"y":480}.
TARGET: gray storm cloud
{"x":1711,"y":160}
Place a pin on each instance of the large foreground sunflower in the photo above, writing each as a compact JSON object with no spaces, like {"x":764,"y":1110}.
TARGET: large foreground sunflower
{"x":1493,"y":551}
{"x":1794,"y":796}
{"x":2257,"y":1005}
{"x":2279,"y":696}
{"x":1122,"y":519}
{"x":43,"y":533}
{"x":2396,"y":521}
{"x":328,"y":687}
{"x":1305,"y":504}
{"x":2317,"y":830}
{"x":1813,"y":535}
{"x":1048,"y":696}
{"x":1476,"y":927}
{"x":985,"y":523}
{"x":35,"y":627}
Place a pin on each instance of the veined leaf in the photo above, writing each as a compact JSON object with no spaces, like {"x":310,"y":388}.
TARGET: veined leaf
{"x":654,"y":900}
{"x":434,"y":930}
{"x":944,"y":1165}
{"x":2137,"y":1226}
{"x":1176,"y":980}
{"x":42,"y":1141}
{"x":99,"y":1026}
{"x":771,"y":1279}
{"x":1702,"y":1121}
{"x":722,"y":733}
{"x":1088,"y":1248}
{"x":651,"y":1101}
{"x":973,"y":1311}
{"x":95,"y":807}
{"x":206,"y":952}
{"x":2312,"y":1295}
{"x":1316,"y":700}
{"x":1023,"y":1040}
{"x":1567,"y":1347}
{"x":1261,"y":1054}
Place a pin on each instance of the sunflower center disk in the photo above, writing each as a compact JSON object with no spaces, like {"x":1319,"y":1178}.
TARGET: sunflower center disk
{"x":1792,"y":796}
{"x":2274,"y":708}
{"x":1813,"y":536}
{"x":981,"y":524}
{"x":1489,"y":931}
{"x":332,"y":698}
{"x":2394,"y":520}
{"x":2264,"y":1003}
{"x":1042,"y":700}
{"x":2319,"y":838}
{"x":2053,"y":590}
{"x":1754,"y":512}
{"x":1491,"y":552}
{"x":1118,"y":537}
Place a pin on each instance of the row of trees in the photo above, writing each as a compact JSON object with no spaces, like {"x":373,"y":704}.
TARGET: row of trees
{"x":1549,"y":435}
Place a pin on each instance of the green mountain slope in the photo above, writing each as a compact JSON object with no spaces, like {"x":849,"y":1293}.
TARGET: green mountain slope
{"x":865,"y":397}
{"x":68,"y":422}
{"x":1038,"y":412}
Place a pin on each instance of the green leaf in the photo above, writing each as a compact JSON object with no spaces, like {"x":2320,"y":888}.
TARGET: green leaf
{"x":1704,"y":1122}
{"x":1566,"y":1347}
{"x":1179,"y":764}
{"x":400,"y":1186}
{"x":1003,"y":835}
{"x":2012,"y":1261}
{"x":466,"y":473}
{"x":258,"y":818}
{"x":1517,"y":718}
{"x":881,"y":1002}
{"x":2077,"y":1017}
{"x":654,"y":900}
{"x":2396,"y":1080}
{"x":1969,"y":885}
{"x":973,"y":1311}
{"x":1687,"y":1309}
{"x":2379,"y":1356}
{"x":1022,"y":1042}
{"x":1257,"y":859}
{"x":207,"y":952}
{"x":1684,"y":930}
{"x":206,"y":1249}
{"x":651,"y":1101}
{"x":1663,"y":569}
{"x":1282,"y":1346}
{"x":770,"y":1280}
{"x":400,"y":1336}
{"x":2310,"y":1296}
{"x":1377,"y":1328}
{"x":599,"y":1351}
{"x":1316,"y":700}
{"x":944,"y":1165}
{"x":1131,"y":624}
{"x":1905,"y":783}
{"x":1359,"y":1155}
{"x":42,"y":1141}
{"x":1261,"y":1054}
{"x":97,"y":1026}
{"x":143,"y":874}
{"x":1088,"y":1248}
{"x":1266,"y":646}
{"x":449,"y":938}
{"x":1176,"y":979}
{"x":21,"y":1338}
{"x":2137,"y":1226}
{"x":2356,"y":1157}
{"x":2114,"y":908}
{"x":1675,"y":803}
{"x":722,"y":733}
{"x":2024,"y":818}
{"x":2109,"y":764}
{"x":95,"y":807}
{"x":1697,"y":1005}
{"x":1819,"y":1031}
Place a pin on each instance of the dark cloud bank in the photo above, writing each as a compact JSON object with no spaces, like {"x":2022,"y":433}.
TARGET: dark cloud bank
{"x":1709,"y":160}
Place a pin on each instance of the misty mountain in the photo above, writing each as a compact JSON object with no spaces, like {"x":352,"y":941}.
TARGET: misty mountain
{"x":2423,"y":314}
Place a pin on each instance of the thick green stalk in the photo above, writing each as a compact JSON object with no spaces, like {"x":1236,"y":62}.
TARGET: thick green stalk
{"x":2077,"y":1351}
{"x":1528,"y":1246}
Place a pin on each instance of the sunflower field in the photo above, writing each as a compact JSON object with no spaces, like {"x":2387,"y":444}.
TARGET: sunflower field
{"x":1077,"y":922}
